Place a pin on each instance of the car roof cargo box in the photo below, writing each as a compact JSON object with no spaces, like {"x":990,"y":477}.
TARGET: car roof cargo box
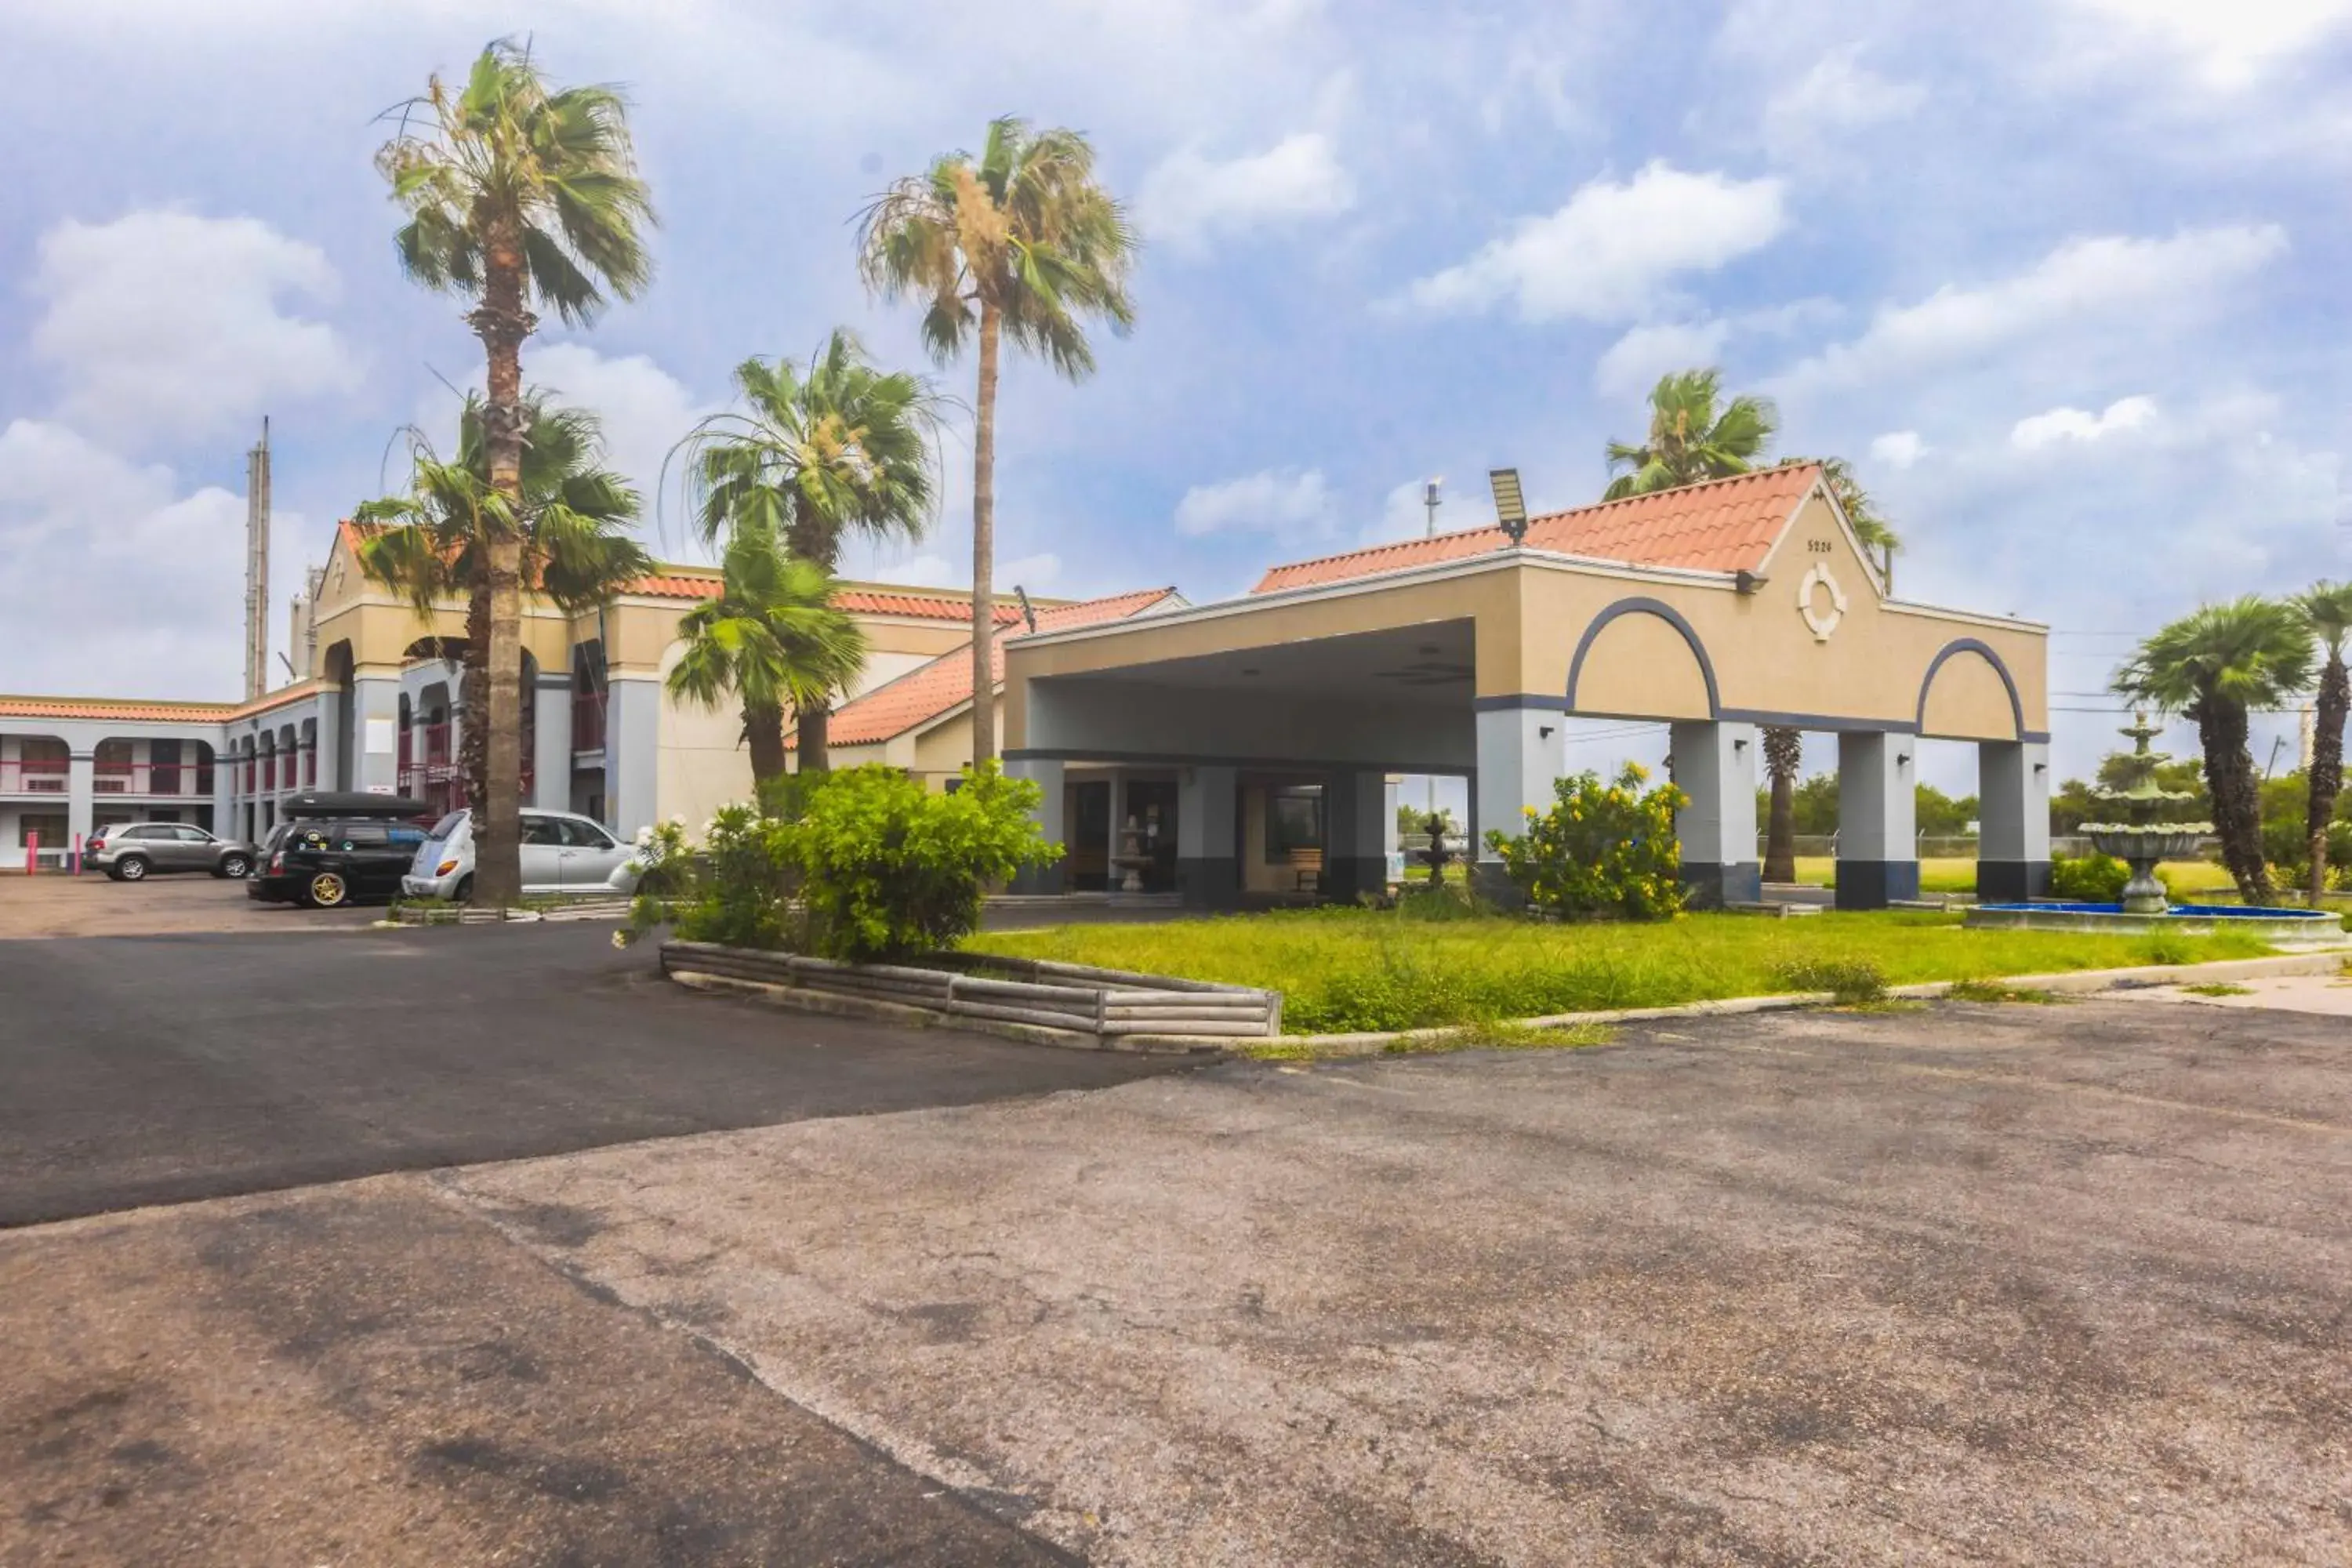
{"x":318,"y":803}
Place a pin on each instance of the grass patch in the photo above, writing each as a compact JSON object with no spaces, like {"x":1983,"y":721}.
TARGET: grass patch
{"x":1850,"y":982}
{"x":1344,"y":970}
{"x":2219,"y":988}
{"x":1994,"y":991}
{"x":1942,"y":874}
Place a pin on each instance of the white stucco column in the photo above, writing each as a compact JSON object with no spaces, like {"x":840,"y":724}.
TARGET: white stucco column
{"x":632,"y":752}
{"x":1045,"y":773}
{"x":375,"y":733}
{"x":1878,"y":846}
{"x":1358,"y":824}
{"x":1714,"y":766}
{"x":1207,"y":801}
{"x":2012,"y":820}
{"x":329,"y":705}
{"x":1113,"y":876}
{"x":1521,"y":752}
{"x":551,"y":760}
{"x":81,"y":797}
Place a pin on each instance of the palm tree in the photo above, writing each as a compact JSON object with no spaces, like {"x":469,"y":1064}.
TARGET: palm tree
{"x":2327,"y":608}
{"x":1020,"y":242}
{"x":517,"y":195}
{"x":1872,"y":532}
{"x":1690,"y":437}
{"x":569,"y":534}
{"x":773,"y":637}
{"x":845,"y":449}
{"x":1784,"y":752}
{"x":2213,"y":665}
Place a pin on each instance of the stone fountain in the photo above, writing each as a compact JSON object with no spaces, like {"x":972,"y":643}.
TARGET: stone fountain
{"x":2141,"y":843}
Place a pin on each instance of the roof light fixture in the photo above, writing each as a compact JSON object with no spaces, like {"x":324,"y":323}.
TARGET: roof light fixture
{"x":1510,"y":505}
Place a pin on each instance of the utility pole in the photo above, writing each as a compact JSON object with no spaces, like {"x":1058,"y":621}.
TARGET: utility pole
{"x":1429,"y":498}
{"x":257,"y":566}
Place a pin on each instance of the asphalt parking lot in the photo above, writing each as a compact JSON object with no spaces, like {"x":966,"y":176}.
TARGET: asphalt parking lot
{"x":52,"y":905}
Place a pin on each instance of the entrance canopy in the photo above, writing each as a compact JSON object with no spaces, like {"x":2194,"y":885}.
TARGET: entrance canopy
{"x":1716,"y":607}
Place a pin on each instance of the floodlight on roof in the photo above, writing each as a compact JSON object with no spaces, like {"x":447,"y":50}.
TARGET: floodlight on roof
{"x":1510,"y":505}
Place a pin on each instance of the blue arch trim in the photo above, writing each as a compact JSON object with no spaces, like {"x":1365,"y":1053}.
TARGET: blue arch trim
{"x":1664,"y":612}
{"x":1977,"y":646}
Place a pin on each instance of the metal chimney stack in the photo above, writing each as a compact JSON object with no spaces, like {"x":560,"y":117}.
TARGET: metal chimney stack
{"x":257,"y":566}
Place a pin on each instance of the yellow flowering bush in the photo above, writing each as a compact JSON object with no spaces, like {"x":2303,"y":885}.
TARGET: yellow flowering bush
{"x":1602,"y":849}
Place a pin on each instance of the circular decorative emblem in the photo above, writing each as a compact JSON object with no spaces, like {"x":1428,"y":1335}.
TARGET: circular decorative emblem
{"x":1817,"y":585}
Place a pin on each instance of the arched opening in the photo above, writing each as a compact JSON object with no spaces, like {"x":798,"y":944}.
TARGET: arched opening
{"x":1640,"y":659}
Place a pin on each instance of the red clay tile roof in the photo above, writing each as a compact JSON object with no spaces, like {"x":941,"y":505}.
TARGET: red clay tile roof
{"x":1722,"y":525}
{"x":130,"y":710}
{"x":943,"y":685}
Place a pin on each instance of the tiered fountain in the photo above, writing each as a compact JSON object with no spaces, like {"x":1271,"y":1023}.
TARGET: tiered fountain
{"x":2140,"y":842}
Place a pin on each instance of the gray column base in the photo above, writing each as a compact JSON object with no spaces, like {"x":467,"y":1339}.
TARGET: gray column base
{"x":1491,"y":882}
{"x":2012,"y":881}
{"x":1875,"y":884}
{"x":1713,"y":887}
{"x":1038,"y":879}
{"x":1209,"y":884}
{"x":1345,"y":877}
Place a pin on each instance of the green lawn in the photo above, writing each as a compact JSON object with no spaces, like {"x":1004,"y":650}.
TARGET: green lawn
{"x":1343,"y":969}
{"x":1959,"y":876}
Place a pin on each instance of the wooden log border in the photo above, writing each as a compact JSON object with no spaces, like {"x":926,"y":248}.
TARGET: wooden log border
{"x":1109,"y":1003}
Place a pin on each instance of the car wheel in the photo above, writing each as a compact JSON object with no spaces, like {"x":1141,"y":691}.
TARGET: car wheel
{"x":234,"y":866}
{"x":464,"y":893}
{"x":327,"y":890}
{"x":129,"y":868}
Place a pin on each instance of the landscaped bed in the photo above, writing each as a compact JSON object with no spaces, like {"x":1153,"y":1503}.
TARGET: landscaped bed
{"x":1347,"y":970}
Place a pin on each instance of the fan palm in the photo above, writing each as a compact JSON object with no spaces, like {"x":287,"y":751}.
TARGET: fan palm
{"x":1784,"y":753}
{"x":813,"y":458}
{"x":773,"y":639}
{"x":1691,"y":437}
{"x":2213,"y":666}
{"x":569,"y":534}
{"x":517,"y":195}
{"x":1020,"y":242}
{"x":2327,"y":609}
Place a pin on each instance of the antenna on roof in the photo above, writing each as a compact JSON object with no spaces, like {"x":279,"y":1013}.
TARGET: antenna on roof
{"x":1510,"y":505}
{"x":1028,"y":614}
{"x":1429,"y":499}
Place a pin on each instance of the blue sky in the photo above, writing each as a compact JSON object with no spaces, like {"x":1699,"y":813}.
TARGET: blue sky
{"x":2062,"y":279}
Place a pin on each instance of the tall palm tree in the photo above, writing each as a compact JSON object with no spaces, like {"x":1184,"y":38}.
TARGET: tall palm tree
{"x":568,"y":531}
{"x":517,"y":195}
{"x":1693,"y":436}
{"x":773,"y":639}
{"x":1021,"y":241}
{"x":2327,"y":608}
{"x":1783,"y":754}
{"x":813,"y":458}
{"x":2213,"y":665}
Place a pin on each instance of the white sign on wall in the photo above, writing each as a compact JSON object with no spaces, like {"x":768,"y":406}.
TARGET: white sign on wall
{"x":383,"y":736}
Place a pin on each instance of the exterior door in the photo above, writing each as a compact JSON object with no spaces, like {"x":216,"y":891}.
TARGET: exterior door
{"x":542,"y":853}
{"x":192,"y":849}
{"x":589,"y":855}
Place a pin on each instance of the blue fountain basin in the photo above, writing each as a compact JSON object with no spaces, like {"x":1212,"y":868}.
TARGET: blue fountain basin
{"x":2297,"y":928}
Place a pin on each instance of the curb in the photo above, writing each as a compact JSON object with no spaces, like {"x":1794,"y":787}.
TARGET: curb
{"x":800,"y":999}
{"x":2077,"y":981}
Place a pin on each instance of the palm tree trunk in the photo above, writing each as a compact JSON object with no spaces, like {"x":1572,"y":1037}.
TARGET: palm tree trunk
{"x":502,"y":323}
{"x":763,"y":731}
{"x":2237,"y":797}
{"x":983,"y":546}
{"x":2326,"y":780}
{"x":1781,"y":758}
{"x":813,"y":725}
{"x":474,"y":699}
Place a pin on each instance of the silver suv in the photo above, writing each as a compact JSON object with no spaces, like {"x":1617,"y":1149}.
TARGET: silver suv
{"x":137,"y":850}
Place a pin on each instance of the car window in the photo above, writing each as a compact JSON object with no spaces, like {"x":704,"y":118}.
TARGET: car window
{"x":191,"y":836}
{"x":138,"y":833}
{"x":542,"y":830}
{"x":584,"y":835}
{"x":446,"y":825}
{"x":404,"y":835}
{"x":359,"y":834}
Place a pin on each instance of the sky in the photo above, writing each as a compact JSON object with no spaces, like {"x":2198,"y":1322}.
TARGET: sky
{"x":2061,"y":278}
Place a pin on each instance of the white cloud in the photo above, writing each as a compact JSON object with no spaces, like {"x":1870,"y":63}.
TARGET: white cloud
{"x":1189,"y":198}
{"x":2227,"y":45}
{"x":1897,"y":448}
{"x":1037,"y":573}
{"x":166,"y":570}
{"x":1836,"y":97}
{"x":163,"y":325}
{"x":1612,"y":251}
{"x":2123,"y":416}
{"x":2084,"y":282}
{"x":1631,"y":365}
{"x":1290,"y":505}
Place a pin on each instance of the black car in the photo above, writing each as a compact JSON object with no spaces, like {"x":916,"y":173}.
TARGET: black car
{"x":340,"y":849}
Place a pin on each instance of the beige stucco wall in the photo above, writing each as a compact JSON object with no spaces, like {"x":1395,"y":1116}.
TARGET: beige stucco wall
{"x":702,"y":764}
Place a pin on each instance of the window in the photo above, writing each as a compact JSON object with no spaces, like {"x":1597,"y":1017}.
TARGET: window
{"x":361,"y":835}
{"x":1293,"y":820}
{"x":542,"y":830}
{"x":445,"y":827}
{"x":191,"y":836}
{"x":583,"y":834}
{"x":403,"y":836}
{"x":48,"y":827}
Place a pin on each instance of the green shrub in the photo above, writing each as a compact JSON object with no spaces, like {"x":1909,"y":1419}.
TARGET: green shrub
{"x":741,"y":894}
{"x":1602,"y":849}
{"x":887,"y":869}
{"x":1852,"y":981}
{"x":2088,"y":878}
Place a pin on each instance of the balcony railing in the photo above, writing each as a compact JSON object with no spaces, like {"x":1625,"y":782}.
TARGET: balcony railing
{"x":588,"y":721}
{"x":171,"y":780}
{"x":43,"y":777}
